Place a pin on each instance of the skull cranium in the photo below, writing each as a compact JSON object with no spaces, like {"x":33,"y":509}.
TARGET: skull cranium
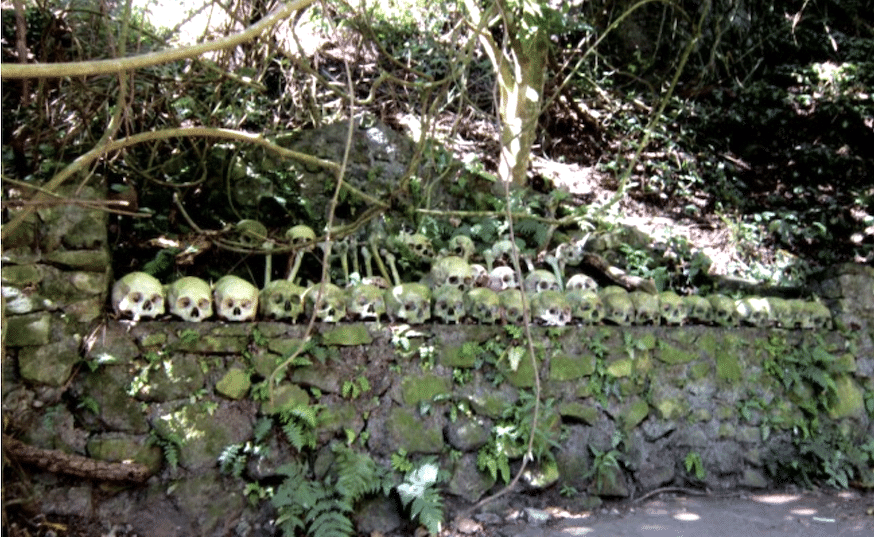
{"x":138,"y":295}
{"x":448,"y":304}
{"x":512,"y":306}
{"x":501,"y":278}
{"x":551,"y":308}
{"x":451,"y":271}
{"x":540,"y":280}
{"x":235,"y":299}
{"x":483,"y":305}
{"x":190,"y":299}
{"x":366,"y":302}
{"x":281,"y":300}
{"x":580,"y":281}
{"x":330,"y":307}
{"x":409,"y":302}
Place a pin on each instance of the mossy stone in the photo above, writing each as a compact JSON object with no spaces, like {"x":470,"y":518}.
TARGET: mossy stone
{"x":728,"y":368}
{"x":20,"y":275}
{"x":118,"y":447}
{"x":579,"y":411}
{"x":456,"y":356}
{"x":348,"y":335}
{"x":700,"y":414}
{"x":671,"y":409}
{"x":285,"y":396}
{"x":848,"y":401}
{"x":50,"y":364}
{"x":846,"y":363}
{"x":285,"y":347}
{"x":523,"y":377}
{"x":621,"y":368}
{"x":409,"y":431}
{"x":726,"y":430}
{"x":209,"y":344}
{"x":90,"y":260}
{"x":235,"y":384}
{"x":28,"y":330}
{"x":672,"y":355}
{"x":565,"y":367}
{"x":153,"y":339}
{"x":416,"y":389}
{"x":633,"y":414}
{"x":700,"y":370}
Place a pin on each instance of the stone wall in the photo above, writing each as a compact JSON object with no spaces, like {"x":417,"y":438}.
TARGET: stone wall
{"x":691,"y":406}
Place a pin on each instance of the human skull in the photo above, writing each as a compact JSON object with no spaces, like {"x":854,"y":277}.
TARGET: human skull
{"x":580,"y":281}
{"x":448,"y":304}
{"x":673,"y":308}
{"x":551,"y":308}
{"x":781,"y":312}
{"x":755,"y":311}
{"x":235,"y":299}
{"x":572,"y":253}
{"x":512,"y":306}
{"x":501,"y":253}
{"x":724,"y":310}
{"x":811,"y":314}
{"x":419,"y":245}
{"x":540,"y":280}
{"x":451,"y":271}
{"x":281,"y":300}
{"x":251,"y":233}
{"x":483,"y":305}
{"x":698,"y":309}
{"x":331,"y":308}
{"x":365,"y":302}
{"x":137,"y":295}
{"x":586,"y":305}
{"x":618,"y":308}
{"x":301,"y":235}
{"x":501,"y":278}
{"x":646,"y":307}
{"x":462,"y":246}
{"x":409,"y":302}
{"x":190,"y":299}
{"x":480,"y":275}
{"x":612,"y":290}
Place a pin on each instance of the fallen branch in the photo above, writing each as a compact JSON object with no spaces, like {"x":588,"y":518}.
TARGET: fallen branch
{"x":55,"y":461}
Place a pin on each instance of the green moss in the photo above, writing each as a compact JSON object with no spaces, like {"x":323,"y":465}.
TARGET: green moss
{"x":671,"y":409}
{"x":848,"y":401}
{"x":672,"y":355}
{"x":700,"y":370}
{"x":564,"y":367}
{"x":155,"y":339}
{"x":456,"y":356}
{"x":845,"y":363}
{"x":700,"y":414}
{"x":285,"y":347}
{"x":350,"y":334}
{"x":633,"y":414}
{"x":26,"y":330}
{"x":235,"y":384}
{"x":424,"y":388}
{"x":579,"y":411}
{"x":621,"y":368}
{"x":20,"y":275}
{"x":410,"y":432}
{"x":285,"y":396}
{"x":523,"y":377}
{"x":727,"y":368}
{"x":726,"y":430}
{"x":708,"y":343}
{"x":117,"y":447}
{"x":214,"y":344}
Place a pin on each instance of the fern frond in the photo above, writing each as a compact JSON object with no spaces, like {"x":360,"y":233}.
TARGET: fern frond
{"x":418,"y":492}
{"x":428,"y":508}
{"x":357,"y":473}
{"x":232,"y":461}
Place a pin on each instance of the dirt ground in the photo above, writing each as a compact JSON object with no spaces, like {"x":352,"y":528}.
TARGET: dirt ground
{"x":765,"y":514}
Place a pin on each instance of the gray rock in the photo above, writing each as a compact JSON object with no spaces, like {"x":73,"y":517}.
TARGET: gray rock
{"x":379,"y":515}
{"x":469,"y":434}
{"x":50,"y":364}
{"x":468,"y":481}
{"x":27,"y":330}
{"x":172,"y":378}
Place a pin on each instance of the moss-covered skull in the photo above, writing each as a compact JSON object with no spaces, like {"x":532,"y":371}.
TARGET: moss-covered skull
{"x":448,"y":304}
{"x":409,"y":302}
{"x":724,"y":310}
{"x":755,"y":311}
{"x":580,"y":281}
{"x":137,"y":295}
{"x":501,"y":253}
{"x":235,"y":299}
{"x":618,"y":308}
{"x":698,"y":309}
{"x":781,"y":312}
{"x":190,"y":299}
{"x":480,"y":275}
{"x":451,"y":271}
{"x":673,"y":308}
{"x":281,"y":300}
{"x":251,"y":233}
{"x":511,"y":306}
{"x":461,"y":246}
{"x":540,"y":280}
{"x":646,"y":307}
{"x":331,"y":308}
{"x":811,"y":314}
{"x":365,"y":302}
{"x":586,"y":305}
{"x":483,"y":305}
{"x":551,"y":308}
{"x":300,"y":235}
{"x":419,"y":245}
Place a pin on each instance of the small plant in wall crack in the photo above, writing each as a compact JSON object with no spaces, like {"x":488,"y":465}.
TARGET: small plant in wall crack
{"x":419,"y":493}
{"x":694,"y":465}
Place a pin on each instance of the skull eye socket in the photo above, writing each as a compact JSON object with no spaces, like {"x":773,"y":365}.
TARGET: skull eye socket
{"x":246,"y":304}
{"x":136,"y":297}
{"x":203,"y":304}
{"x":184,"y":303}
{"x":277,"y":299}
{"x":229,"y":303}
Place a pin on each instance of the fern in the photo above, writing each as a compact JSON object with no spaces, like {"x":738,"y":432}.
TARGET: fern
{"x":299,"y":425}
{"x":232,"y":460}
{"x":538,"y":232}
{"x":357,"y":474}
{"x":419,"y":494}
